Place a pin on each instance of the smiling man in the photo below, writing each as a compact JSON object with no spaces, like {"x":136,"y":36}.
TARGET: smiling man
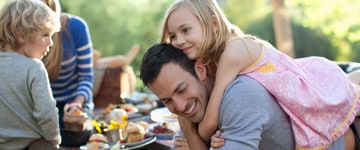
{"x":249,"y":117}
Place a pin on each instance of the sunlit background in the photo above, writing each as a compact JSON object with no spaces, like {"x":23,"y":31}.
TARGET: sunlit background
{"x":328,"y":28}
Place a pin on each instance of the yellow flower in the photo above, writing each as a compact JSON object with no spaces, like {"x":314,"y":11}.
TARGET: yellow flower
{"x":115,"y":125}
{"x":97,"y":126}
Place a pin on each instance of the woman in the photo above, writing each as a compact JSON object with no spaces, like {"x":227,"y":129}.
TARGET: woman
{"x":70,"y":63}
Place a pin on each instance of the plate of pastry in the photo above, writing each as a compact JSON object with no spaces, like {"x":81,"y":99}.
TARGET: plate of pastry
{"x":96,"y":141}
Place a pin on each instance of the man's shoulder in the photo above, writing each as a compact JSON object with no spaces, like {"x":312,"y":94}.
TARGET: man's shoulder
{"x":243,"y":82}
{"x":244,"y":89}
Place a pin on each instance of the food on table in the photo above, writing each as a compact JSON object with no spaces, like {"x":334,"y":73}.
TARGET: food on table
{"x":118,"y":115}
{"x":162,"y":129}
{"x":145,"y":108}
{"x":170,"y":115}
{"x":97,"y":141}
{"x":143,"y":124}
{"x":74,"y":121}
{"x":134,"y":132}
{"x":127,"y":107}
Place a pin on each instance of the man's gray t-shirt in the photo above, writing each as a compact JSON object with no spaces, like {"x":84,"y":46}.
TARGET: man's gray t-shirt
{"x":250,"y":118}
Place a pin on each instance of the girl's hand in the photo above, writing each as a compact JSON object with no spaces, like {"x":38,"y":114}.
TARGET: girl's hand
{"x":181,"y":143}
{"x":216,"y":141}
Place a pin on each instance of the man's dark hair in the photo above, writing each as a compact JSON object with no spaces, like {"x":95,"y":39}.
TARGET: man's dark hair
{"x":158,"y":55}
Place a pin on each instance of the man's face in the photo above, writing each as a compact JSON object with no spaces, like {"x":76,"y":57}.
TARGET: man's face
{"x":181,"y":92}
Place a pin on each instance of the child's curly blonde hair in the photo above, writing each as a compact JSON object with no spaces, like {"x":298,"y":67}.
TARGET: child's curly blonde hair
{"x":27,"y":18}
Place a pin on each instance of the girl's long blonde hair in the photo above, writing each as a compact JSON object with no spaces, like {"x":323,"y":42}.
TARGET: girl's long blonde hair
{"x":53,"y":60}
{"x":206,"y":11}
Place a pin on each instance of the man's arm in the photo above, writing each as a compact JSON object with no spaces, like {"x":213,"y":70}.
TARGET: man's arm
{"x":191,"y":133}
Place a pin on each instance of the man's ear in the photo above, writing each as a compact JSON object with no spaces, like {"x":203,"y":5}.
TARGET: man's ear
{"x":200,"y":70}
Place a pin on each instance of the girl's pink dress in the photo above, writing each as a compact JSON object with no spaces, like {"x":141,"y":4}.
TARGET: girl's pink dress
{"x":316,"y":94}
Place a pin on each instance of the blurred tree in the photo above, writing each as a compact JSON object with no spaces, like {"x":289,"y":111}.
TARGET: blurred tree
{"x":282,"y":28}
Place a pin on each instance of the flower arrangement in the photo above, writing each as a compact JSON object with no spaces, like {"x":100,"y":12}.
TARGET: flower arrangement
{"x":100,"y":126}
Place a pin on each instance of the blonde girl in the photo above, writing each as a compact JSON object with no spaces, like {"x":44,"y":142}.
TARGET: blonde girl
{"x":308,"y":89}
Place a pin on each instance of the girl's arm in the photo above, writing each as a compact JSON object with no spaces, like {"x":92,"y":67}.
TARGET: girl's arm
{"x":216,"y":140}
{"x":235,"y":58}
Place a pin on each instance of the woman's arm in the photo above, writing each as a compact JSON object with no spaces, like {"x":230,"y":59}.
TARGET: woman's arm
{"x":83,"y":44}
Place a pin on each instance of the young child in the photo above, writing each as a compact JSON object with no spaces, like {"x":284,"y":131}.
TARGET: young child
{"x":318,"y":97}
{"x":28,"y":110}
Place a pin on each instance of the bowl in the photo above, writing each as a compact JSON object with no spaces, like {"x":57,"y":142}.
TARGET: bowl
{"x":162,"y":136}
{"x":74,"y":139}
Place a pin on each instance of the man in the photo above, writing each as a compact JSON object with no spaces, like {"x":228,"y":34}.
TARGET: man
{"x":249,"y":116}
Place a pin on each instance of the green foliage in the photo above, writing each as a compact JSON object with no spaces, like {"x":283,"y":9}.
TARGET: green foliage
{"x":320,"y":28}
{"x":116,"y":25}
{"x":336,"y":21}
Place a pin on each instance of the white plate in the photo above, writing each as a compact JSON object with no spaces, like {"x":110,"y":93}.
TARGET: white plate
{"x":106,"y":147}
{"x":138,"y":142}
{"x":162,"y":115}
{"x":127,"y":146}
{"x":134,"y":145}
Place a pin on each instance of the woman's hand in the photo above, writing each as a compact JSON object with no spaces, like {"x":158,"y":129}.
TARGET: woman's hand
{"x":216,"y":141}
{"x":77,"y":105}
{"x":73,"y":108}
{"x":181,"y":143}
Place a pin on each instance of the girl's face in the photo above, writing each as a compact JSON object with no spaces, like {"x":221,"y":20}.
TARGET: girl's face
{"x":185,"y":31}
{"x":38,"y":47}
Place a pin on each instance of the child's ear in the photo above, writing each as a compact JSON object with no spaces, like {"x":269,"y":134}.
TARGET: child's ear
{"x":20,"y":37}
{"x":200,"y":70}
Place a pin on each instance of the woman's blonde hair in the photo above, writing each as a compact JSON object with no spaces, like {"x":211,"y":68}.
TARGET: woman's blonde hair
{"x":205,"y":11}
{"x":26,"y":18}
{"x":54,"y":58}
